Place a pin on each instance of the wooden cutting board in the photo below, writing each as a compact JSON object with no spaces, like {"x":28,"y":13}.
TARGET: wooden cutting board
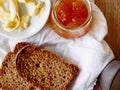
{"x":111,"y":10}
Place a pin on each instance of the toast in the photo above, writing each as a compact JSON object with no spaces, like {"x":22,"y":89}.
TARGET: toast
{"x":9,"y":78}
{"x":44,"y":69}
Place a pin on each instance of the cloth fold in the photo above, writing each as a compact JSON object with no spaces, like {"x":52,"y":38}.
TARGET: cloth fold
{"x":90,"y":52}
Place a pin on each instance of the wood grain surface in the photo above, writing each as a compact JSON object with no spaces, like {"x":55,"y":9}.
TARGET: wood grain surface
{"x":111,"y":10}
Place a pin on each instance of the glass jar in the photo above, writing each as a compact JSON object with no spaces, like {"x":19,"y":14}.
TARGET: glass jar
{"x":71,"y":18}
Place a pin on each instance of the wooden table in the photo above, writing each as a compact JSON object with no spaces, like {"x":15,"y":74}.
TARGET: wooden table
{"x":111,"y":10}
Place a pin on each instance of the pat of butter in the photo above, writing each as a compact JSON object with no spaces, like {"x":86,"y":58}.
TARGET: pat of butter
{"x":14,"y":16}
{"x":14,"y":9}
{"x":26,"y":1}
{"x":12,"y":25}
{"x":35,"y":9}
{"x":4,"y":15}
{"x":24,"y":22}
{"x":38,"y":9}
{"x":2,"y":1}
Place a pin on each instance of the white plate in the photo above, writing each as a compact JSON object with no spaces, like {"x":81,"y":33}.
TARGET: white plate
{"x":36,"y":24}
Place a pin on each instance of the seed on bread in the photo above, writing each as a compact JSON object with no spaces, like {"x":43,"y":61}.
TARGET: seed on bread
{"x":44,"y":69}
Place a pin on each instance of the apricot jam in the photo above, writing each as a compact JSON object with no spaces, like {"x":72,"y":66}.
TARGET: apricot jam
{"x":71,"y":18}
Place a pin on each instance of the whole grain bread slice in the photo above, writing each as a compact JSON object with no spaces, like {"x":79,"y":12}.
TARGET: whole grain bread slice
{"x":9,"y":78}
{"x":44,"y":69}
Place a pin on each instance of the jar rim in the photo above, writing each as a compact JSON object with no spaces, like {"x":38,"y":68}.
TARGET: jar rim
{"x":86,"y":22}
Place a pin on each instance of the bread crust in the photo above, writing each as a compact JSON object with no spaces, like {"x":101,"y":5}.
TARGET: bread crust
{"x":19,"y":46}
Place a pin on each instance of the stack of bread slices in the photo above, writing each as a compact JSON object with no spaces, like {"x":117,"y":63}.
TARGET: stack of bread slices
{"x":29,"y":67}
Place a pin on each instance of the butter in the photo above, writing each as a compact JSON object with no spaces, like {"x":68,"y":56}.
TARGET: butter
{"x":26,"y":1}
{"x":35,"y":9}
{"x":12,"y":25}
{"x":14,"y":16}
{"x":11,"y":18}
{"x":2,"y":1}
{"x":24,"y":22}
{"x":14,"y":9}
{"x":4,"y":15}
{"x":38,"y":9}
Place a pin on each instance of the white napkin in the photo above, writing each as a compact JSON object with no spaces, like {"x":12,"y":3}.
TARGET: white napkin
{"x":90,"y":52}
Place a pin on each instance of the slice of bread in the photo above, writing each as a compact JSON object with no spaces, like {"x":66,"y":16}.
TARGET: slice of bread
{"x":44,"y":69}
{"x":9,"y":78}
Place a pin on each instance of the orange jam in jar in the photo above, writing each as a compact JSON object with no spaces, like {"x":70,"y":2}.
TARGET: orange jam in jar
{"x":71,"y":18}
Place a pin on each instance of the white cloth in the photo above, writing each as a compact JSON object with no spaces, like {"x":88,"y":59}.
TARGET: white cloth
{"x":90,"y":52}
